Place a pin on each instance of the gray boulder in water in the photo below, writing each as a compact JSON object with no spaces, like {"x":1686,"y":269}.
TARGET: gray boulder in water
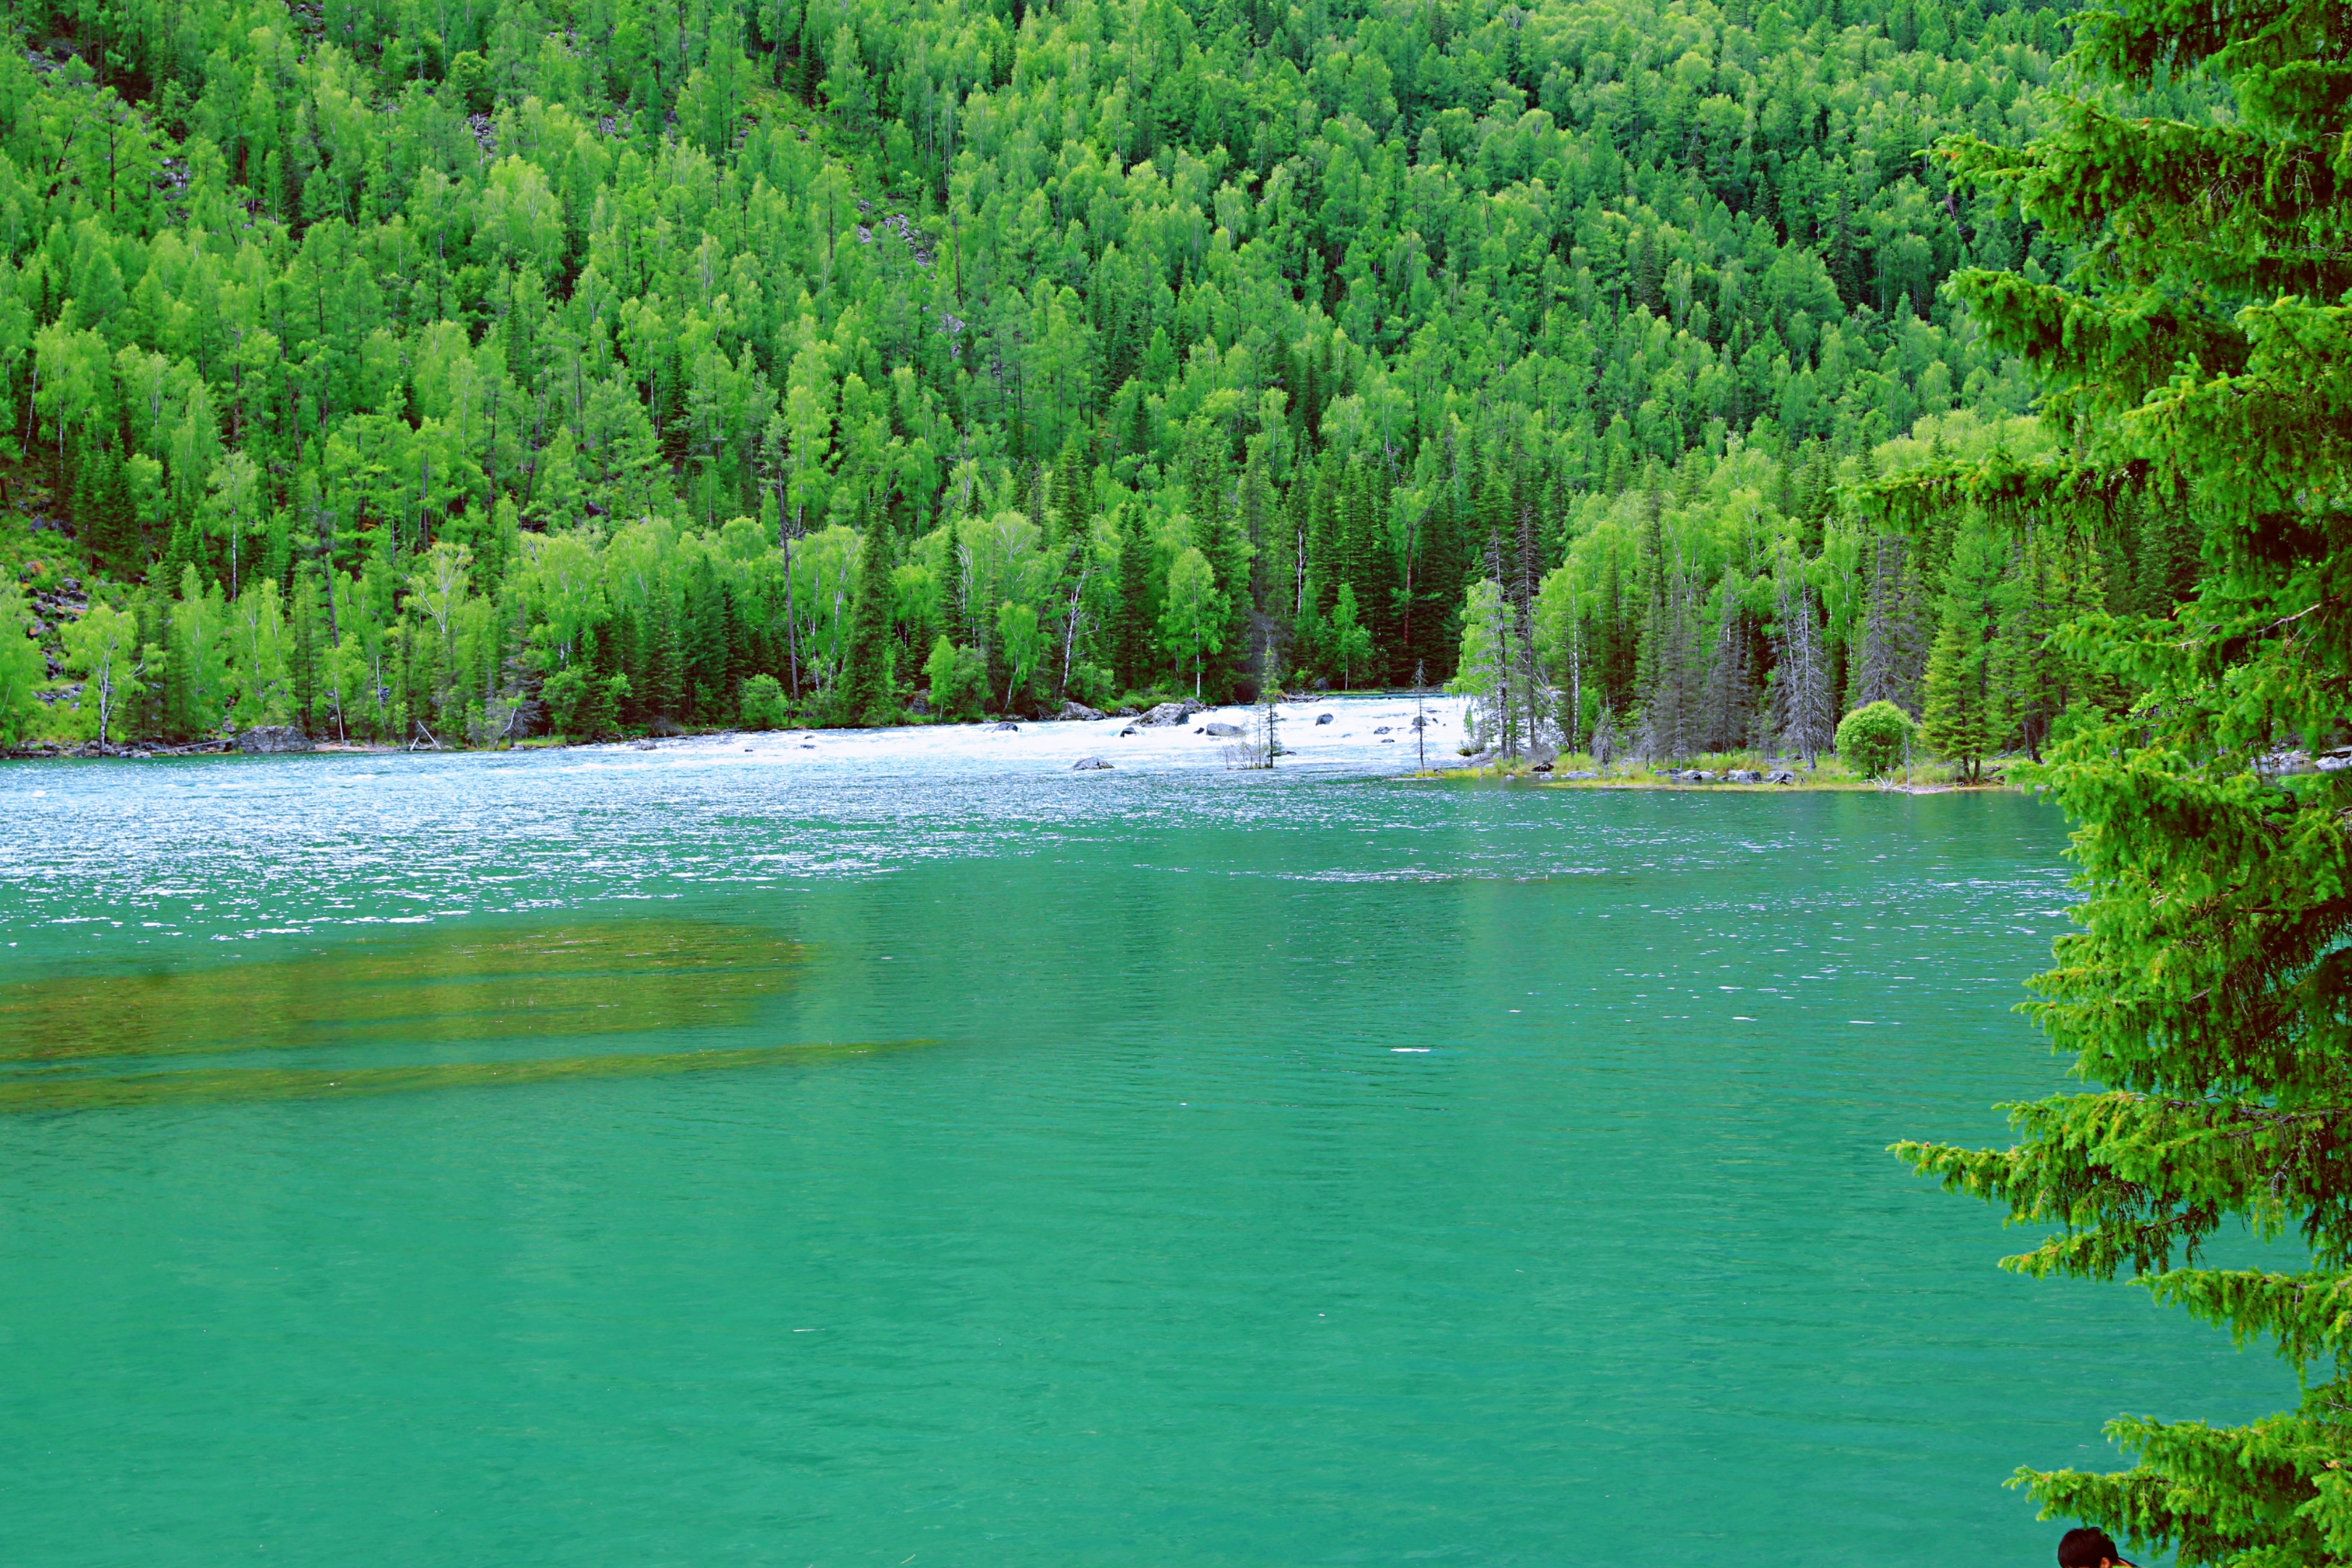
{"x":1221,"y":729}
{"x":1170,"y":713}
{"x":1089,"y":766}
{"x":1322,"y":718}
{"x":273,"y":739}
{"x":1078,"y":712}
{"x":1007,"y":727}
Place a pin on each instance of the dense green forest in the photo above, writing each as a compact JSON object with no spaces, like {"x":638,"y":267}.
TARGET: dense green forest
{"x":394,"y":369}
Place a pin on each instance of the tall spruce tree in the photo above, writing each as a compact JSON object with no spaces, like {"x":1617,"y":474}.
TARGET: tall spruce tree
{"x":865,"y":695}
{"x":1134,"y":617}
{"x":2207,"y":998}
{"x":1964,"y":698}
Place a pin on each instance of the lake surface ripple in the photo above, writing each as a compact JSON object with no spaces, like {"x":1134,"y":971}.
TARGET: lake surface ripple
{"x":671,"y":1158}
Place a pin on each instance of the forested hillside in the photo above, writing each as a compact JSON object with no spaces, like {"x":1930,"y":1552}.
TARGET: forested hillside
{"x":478,"y":370}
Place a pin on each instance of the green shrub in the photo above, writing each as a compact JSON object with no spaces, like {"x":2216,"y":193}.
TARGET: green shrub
{"x":1872,"y":738}
{"x":470,"y":74}
{"x":763,"y":703}
{"x":582,"y":707}
{"x":959,"y":678}
{"x":563,"y":693}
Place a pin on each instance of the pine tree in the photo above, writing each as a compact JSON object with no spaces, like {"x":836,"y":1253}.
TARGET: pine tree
{"x":1726,"y":704}
{"x":2207,"y":996}
{"x":1439,"y":568}
{"x":1963,"y":698}
{"x":306,"y":649}
{"x":1134,"y":618}
{"x":102,"y":511}
{"x":1890,"y":667}
{"x":1217,"y":535}
{"x":1326,"y":541}
{"x":1372,"y":568}
{"x":665,"y":660}
{"x":1483,"y":671}
{"x":703,"y":641}
{"x":864,"y":695}
{"x":1672,"y":668}
{"x":1801,"y":678}
{"x":2032,"y":665}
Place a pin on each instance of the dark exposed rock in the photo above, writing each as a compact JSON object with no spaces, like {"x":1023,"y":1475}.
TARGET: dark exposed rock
{"x":1322,"y":718}
{"x":1171,"y":713}
{"x":273,"y":739}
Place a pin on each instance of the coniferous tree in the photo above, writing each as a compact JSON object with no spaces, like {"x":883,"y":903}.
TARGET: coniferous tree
{"x":1135,"y":615}
{"x":866,"y":694}
{"x":1726,"y":707}
{"x":1893,"y":652}
{"x":306,"y":649}
{"x":665,"y":659}
{"x":1801,"y":681}
{"x":460,"y":371}
{"x":1964,"y":698}
{"x":2205,"y":995}
{"x":1505,"y":707}
{"x":1671,"y":712}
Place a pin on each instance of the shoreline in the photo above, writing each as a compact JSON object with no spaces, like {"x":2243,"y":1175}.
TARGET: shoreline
{"x":1840,"y":783}
{"x":1367,"y":734}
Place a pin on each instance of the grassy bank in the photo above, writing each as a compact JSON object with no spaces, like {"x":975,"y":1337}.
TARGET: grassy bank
{"x":1581,"y":770}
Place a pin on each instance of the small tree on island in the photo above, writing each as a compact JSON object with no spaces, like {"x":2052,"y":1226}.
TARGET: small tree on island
{"x":1874,"y":738}
{"x":1260,"y":749}
{"x":1269,"y":692}
{"x":1420,"y":714}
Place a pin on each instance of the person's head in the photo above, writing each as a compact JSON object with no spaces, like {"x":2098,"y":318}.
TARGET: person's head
{"x":2090,"y":1548}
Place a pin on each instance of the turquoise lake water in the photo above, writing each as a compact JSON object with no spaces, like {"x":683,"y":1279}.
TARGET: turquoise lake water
{"x":1151,"y":1167}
